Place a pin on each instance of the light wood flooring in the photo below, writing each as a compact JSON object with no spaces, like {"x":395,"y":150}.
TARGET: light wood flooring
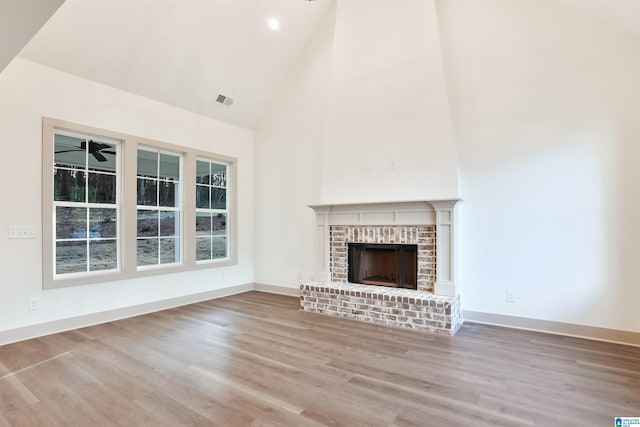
{"x":255,"y":359}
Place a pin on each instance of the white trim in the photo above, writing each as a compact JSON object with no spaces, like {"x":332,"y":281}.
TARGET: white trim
{"x":443,"y":288}
{"x":445,"y":247}
{"x":213,"y":211}
{"x":275,"y":289}
{"x":62,"y":325}
{"x":9,"y":336}
{"x":127,"y":209}
{"x":441,"y":213}
{"x":615,"y":336}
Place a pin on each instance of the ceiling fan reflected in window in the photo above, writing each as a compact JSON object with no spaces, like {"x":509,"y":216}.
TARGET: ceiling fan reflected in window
{"x":96,"y":149}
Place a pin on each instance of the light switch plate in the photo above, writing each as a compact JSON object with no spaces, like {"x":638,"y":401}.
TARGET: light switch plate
{"x":22,"y":232}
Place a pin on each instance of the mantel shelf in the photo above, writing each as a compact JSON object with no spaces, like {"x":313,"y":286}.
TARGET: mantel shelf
{"x":383,"y":204}
{"x":410,"y":213}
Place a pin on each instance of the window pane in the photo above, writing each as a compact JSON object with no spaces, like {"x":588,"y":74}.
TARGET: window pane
{"x":211,"y":227}
{"x":73,"y":156}
{"x":167,"y":193}
{"x":147,"y":164}
{"x":218,"y":175}
{"x":169,"y":251}
{"x":202,"y":172}
{"x":219,"y":247}
{"x":169,"y":166}
{"x":202,"y":197}
{"x":103,"y":255}
{"x":169,"y":223}
{"x":69,"y":185}
{"x":70,"y":152}
{"x":71,"y":223}
{"x":203,"y":248}
{"x":147,"y":252}
{"x":219,"y":198}
{"x":147,"y":223}
{"x":102,"y":188}
{"x":102,"y":223}
{"x":102,"y":156}
{"x":71,"y":257}
{"x":219,"y":224}
{"x":147,"y":192}
{"x":203,"y":223}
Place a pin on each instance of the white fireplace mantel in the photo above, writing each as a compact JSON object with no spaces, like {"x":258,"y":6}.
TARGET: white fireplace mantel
{"x":441,"y":213}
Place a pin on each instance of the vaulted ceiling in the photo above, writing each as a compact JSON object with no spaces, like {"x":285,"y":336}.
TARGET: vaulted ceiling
{"x":181,"y":52}
{"x":624,"y":14}
{"x":186,"y":52}
{"x":19,"y":21}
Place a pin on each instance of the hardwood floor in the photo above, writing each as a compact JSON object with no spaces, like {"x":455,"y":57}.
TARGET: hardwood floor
{"x":254,"y":359}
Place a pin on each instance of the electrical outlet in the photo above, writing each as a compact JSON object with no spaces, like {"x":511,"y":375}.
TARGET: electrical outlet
{"x":34,"y":304}
{"x":511,"y":296}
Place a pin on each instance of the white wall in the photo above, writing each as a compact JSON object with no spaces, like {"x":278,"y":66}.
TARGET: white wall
{"x":29,"y":91}
{"x":330,"y":118}
{"x":545,"y":107}
{"x":389,"y":135}
{"x":543,"y":100}
{"x":288,"y":153}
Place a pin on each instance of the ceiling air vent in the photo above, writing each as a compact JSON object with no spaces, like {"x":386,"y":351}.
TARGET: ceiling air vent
{"x":224,"y":100}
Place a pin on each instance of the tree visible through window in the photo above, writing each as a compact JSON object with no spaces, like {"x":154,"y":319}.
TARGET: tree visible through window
{"x":211,"y":211}
{"x":85,"y":187}
{"x":158,"y":207}
{"x":113,"y":206}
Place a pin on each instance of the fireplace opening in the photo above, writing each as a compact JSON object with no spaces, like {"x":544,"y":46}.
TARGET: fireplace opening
{"x":383,"y":264}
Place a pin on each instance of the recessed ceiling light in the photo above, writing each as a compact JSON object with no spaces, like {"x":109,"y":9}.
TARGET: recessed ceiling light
{"x":274,"y":24}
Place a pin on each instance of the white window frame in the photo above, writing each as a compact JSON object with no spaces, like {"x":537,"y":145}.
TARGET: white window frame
{"x":127,"y":207}
{"x":212,"y":211}
{"x":86,"y":204}
{"x":179,"y":209}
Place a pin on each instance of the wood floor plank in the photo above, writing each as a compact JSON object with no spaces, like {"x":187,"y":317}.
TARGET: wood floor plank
{"x":254,"y":359}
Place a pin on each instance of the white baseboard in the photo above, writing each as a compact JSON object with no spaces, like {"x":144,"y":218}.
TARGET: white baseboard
{"x":62,"y":325}
{"x":558,"y":328}
{"x":546,"y":326}
{"x":275,"y":289}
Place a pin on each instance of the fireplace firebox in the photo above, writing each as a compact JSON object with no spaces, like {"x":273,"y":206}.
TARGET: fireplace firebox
{"x":383,"y":264}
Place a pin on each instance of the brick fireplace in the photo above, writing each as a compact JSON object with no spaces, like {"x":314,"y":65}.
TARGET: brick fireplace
{"x":434,"y":306}
{"x":423,"y":236}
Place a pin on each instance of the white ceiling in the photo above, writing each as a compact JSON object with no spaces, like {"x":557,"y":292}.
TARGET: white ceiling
{"x":623,"y":14}
{"x":19,"y":21}
{"x":181,"y":52}
{"x":186,"y":52}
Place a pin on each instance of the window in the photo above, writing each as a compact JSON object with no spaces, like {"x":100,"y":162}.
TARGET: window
{"x":212,"y":214}
{"x":116,"y":206}
{"x":85,"y":200}
{"x":158,"y":207}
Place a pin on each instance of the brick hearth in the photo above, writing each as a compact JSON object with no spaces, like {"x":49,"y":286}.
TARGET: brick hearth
{"x":404,"y":308}
{"x":433,"y":307}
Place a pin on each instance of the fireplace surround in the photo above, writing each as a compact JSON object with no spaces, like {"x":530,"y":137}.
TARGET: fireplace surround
{"x":423,"y":237}
{"x":429,"y":225}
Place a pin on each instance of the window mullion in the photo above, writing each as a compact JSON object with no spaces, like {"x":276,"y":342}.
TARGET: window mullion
{"x":73,"y":236}
{"x":167,"y":191}
{"x":100,"y":227}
